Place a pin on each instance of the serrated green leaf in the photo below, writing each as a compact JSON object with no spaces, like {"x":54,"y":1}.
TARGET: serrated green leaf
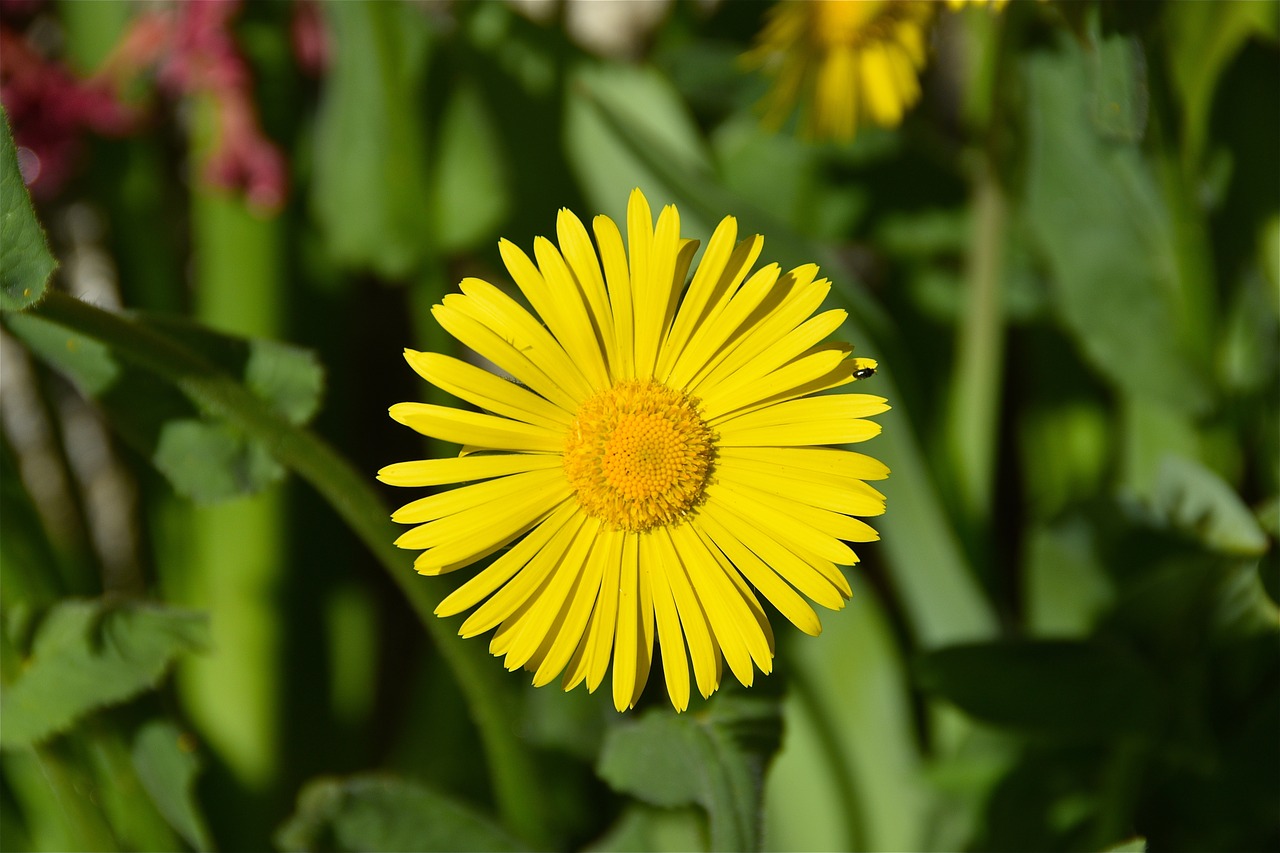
{"x":25,"y":262}
{"x":1062,"y":688}
{"x":210,"y":461}
{"x":203,"y":457}
{"x":1198,"y":501}
{"x":385,"y":813}
{"x":88,"y":654}
{"x":167,"y":769}
{"x":369,"y":192}
{"x":1109,"y":242}
{"x":714,"y":759}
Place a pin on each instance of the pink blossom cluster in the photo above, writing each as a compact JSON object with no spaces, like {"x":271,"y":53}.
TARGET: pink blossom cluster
{"x":190,"y":51}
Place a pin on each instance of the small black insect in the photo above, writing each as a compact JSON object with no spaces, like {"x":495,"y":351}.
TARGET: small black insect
{"x":864,"y":373}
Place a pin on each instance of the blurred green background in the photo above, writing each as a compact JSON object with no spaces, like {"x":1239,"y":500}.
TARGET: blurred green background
{"x":1066,"y":261}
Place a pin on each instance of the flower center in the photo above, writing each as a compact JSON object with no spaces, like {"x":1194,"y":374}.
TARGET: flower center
{"x":638,"y":455}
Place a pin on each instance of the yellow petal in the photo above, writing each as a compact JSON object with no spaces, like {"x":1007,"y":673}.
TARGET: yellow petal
{"x":492,"y":495}
{"x":550,"y":599}
{"x":777,"y":591}
{"x":501,"y":570}
{"x":675,"y":662}
{"x":484,"y":389}
{"x":581,"y":257}
{"x":520,"y":588}
{"x":477,"y":429}
{"x":571,"y":320}
{"x":438,"y":472}
{"x":618,"y":279}
{"x":827,"y":464}
{"x":805,"y":576}
{"x":786,"y":520}
{"x":704,"y":320}
{"x":502,"y":351}
{"x":693,"y":618}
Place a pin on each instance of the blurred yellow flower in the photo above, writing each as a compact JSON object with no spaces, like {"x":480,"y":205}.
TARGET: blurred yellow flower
{"x":661,"y":457}
{"x":846,"y":62}
{"x":960,"y":4}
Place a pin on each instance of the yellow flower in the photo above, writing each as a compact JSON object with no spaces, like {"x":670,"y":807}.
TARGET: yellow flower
{"x":848,"y":62}
{"x":659,"y":459}
{"x":960,"y":4}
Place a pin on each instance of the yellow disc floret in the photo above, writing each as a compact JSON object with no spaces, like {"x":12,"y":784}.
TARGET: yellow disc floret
{"x":638,"y":455}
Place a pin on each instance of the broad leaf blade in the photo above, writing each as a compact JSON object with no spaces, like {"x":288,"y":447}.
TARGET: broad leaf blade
{"x":715,"y":760}
{"x":168,"y":769}
{"x":1193,"y":498}
{"x":1064,"y":688}
{"x":89,"y":654}
{"x":1108,"y":239}
{"x":606,"y":97}
{"x":385,"y":813}
{"x":370,"y":192}
{"x":25,"y":262}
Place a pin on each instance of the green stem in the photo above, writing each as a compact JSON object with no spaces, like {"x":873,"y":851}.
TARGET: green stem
{"x":975,"y":395}
{"x":354,"y":499}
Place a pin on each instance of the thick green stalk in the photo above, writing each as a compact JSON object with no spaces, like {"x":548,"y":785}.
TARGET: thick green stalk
{"x":355,"y":500}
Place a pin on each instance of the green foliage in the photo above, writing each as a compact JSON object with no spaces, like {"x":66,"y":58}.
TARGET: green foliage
{"x":1106,"y":234}
{"x":618,"y":123}
{"x":25,"y":262}
{"x":385,"y":813}
{"x":203,"y":456}
{"x":715,"y":760}
{"x":1066,"y":261}
{"x":370,"y":192}
{"x":91,"y":654}
{"x":167,"y":768}
{"x":1058,"y":688}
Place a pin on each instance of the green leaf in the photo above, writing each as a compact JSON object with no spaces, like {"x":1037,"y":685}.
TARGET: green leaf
{"x":645,"y":829}
{"x":25,"y":262}
{"x":203,"y":457}
{"x":1120,"y":97}
{"x":472,"y":192}
{"x":714,"y":759}
{"x":208,"y":461}
{"x":609,"y":98}
{"x":26,"y":554}
{"x":1202,"y":39}
{"x":88,"y":654}
{"x":167,"y":767}
{"x":1137,"y":844}
{"x":1063,"y":688}
{"x":1108,"y":239}
{"x":788,"y":177}
{"x":385,"y":813}
{"x":369,"y":192}
{"x":1065,"y":590}
{"x":1194,"y":499}
{"x":848,"y":776}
